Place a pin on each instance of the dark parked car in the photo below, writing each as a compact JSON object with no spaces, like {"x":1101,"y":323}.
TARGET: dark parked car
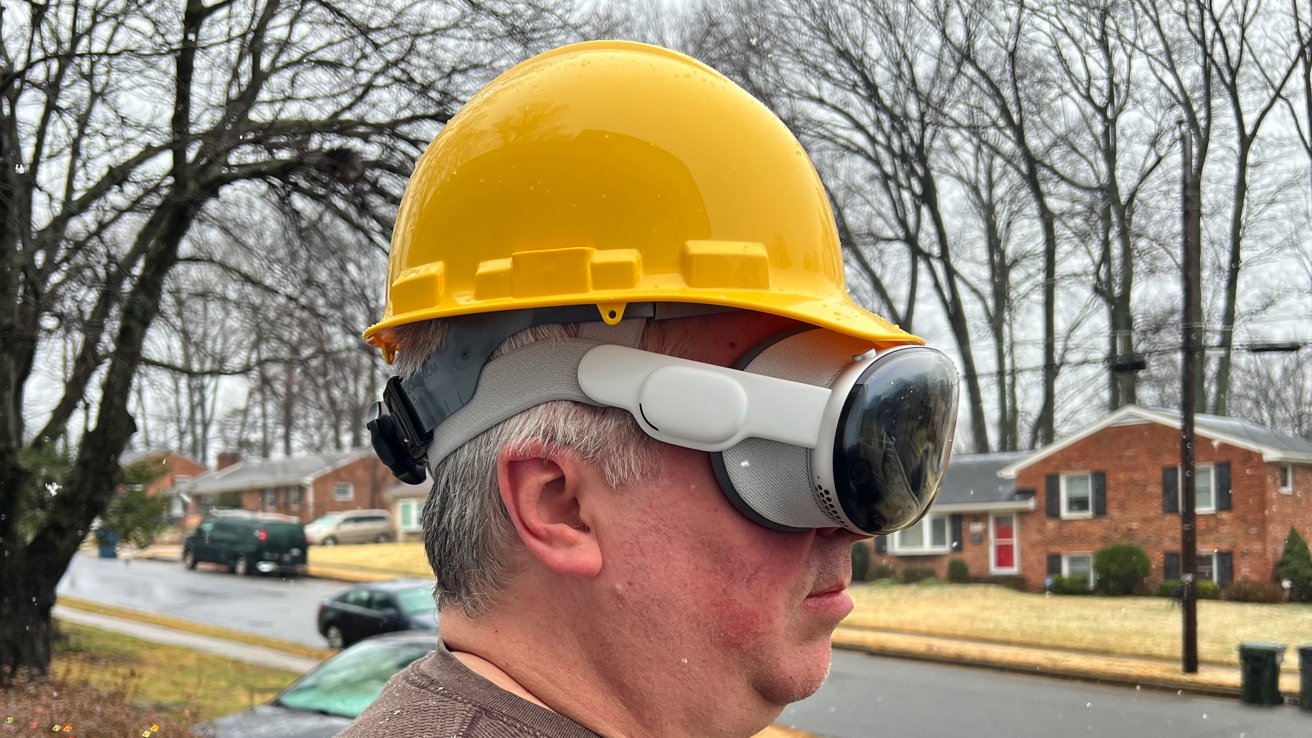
{"x":247,"y":542}
{"x":323,"y":702}
{"x":377,"y":607}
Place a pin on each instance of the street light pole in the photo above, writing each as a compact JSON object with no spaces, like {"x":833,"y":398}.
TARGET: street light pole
{"x":1189,"y":326}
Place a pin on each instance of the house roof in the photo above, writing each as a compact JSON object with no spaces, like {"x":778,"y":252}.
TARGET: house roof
{"x":972,"y":482}
{"x":273,"y":473}
{"x":127,"y":458}
{"x":1274,"y":446}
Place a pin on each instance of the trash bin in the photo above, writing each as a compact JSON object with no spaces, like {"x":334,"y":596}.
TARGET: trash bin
{"x":1305,"y":678}
{"x":1259,"y":665}
{"x":108,"y":541}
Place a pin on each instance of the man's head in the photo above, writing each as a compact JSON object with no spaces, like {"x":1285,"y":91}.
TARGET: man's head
{"x":655,"y":420}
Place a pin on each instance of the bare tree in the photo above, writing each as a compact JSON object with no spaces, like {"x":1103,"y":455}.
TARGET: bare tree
{"x":123,"y":123}
{"x":995,"y":198}
{"x":869,"y":94}
{"x":1002,"y":65}
{"x":1253,"y":62}
{"x":1107,"y":154}
{"x":1276,"y":391}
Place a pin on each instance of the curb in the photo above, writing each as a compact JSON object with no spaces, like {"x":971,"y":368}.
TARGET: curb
{"x":1222,"y":681}
{"x":1204,"y":690}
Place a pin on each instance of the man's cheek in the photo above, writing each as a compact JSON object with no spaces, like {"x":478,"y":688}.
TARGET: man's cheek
{"x":749,"y":610}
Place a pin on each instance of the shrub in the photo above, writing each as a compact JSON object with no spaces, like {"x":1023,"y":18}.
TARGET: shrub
{"x":1173,"y":588}
{"x":1247,"y":590}
{"x":913,"y":574}
{"x":1120,"y":569}
{"x":860,"y":562}
{"x":1072,"y":585}
{"x":1208,"y":590}
{"x":880,"y":571}
{"x":1296,"y":566}
{"x":958,"y":571}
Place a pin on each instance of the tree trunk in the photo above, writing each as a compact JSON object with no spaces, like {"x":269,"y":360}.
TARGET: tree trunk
{"x":31,"y":574}
{"x":28,"y":594}
{"x":1221,"y":381}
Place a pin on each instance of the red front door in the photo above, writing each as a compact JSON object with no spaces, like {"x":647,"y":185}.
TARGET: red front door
{"x":1004,"y":544}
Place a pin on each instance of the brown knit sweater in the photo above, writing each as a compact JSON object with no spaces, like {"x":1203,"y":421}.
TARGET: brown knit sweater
{"x":439,"y":697}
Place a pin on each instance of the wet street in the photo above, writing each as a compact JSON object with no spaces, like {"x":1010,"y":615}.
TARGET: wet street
{"x":271,"y":606}
{"x":869,"y":696}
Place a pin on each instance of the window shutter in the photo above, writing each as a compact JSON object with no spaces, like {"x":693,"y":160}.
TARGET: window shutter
{"x":1099,"y":493}
{"x":1054,"y":496}
{"x":1221,"y":478}
{"x":1172,"y":565}
{"x":1225,"y":567}
{"x":1054,"y":564}
{"x":1170,"y":491}
{"x":881,"y":544}
{"x":954,"y":531}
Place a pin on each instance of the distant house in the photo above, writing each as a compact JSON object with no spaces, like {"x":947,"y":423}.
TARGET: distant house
{"x":175,"y":471}
{"x":1117,"y":481}
{"x":407,"y":504}
{"x":304,"y":486}
{"x":975,"y":518}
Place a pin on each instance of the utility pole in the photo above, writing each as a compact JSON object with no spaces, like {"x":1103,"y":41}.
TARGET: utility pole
{"x":1191,"y":316}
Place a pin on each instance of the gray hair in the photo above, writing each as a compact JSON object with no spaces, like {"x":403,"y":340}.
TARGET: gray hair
{"x":468,"y":536}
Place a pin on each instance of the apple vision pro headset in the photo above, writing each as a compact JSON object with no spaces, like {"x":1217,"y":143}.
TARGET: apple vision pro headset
{"x":812,"y":429}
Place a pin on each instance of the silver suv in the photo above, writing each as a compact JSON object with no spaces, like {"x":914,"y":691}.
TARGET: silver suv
{"x":351,"y":526}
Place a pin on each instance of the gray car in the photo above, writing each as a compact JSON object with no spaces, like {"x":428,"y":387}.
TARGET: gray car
{"x":326,"y":700}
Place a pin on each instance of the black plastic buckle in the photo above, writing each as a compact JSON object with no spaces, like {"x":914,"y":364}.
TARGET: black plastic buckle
{"x":391,"y":445}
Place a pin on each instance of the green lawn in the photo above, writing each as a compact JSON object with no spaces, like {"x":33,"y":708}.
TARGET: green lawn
{"x":402,"y":559}
{"x":180,"y":684}
{"x":1127,"y":626}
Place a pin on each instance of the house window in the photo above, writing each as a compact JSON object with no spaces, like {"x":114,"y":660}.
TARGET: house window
{"x":408,"y":511}
{"x":1076,"y":496}
{"x":1078,"y":565}
{"x":1204,"y":489}
{"x":270,"y":499}
{"x":1206,"y":563}
{"x":1287,"y":478}
{"x":294,"y":498}
{"x":343,"y":491}
{"x":929,"y":536}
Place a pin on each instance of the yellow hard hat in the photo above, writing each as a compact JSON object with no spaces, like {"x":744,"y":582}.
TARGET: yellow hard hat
{"x":606,"y":173}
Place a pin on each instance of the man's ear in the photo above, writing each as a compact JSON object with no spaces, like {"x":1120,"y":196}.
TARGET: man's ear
{"x":550,"y":496}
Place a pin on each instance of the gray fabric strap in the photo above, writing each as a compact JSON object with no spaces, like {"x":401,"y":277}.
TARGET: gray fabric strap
{"x":527,"y":377}
{"x":626,"y":333}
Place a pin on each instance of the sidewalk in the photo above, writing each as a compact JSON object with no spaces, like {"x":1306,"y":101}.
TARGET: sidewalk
{"x":269,"y":657}
{"x":1211,"y":679}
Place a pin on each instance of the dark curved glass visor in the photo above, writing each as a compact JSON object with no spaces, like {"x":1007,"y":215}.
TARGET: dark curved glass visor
{"x":894,"y":439}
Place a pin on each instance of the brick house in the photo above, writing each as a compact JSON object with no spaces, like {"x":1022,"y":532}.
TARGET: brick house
{"x":1117,"y":481}
{"x":975,"y":518}
{"x":305,"y":487}
{"x":175,"y":472}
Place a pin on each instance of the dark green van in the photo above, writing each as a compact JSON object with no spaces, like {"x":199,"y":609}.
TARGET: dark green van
{"x":247,"y":542}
